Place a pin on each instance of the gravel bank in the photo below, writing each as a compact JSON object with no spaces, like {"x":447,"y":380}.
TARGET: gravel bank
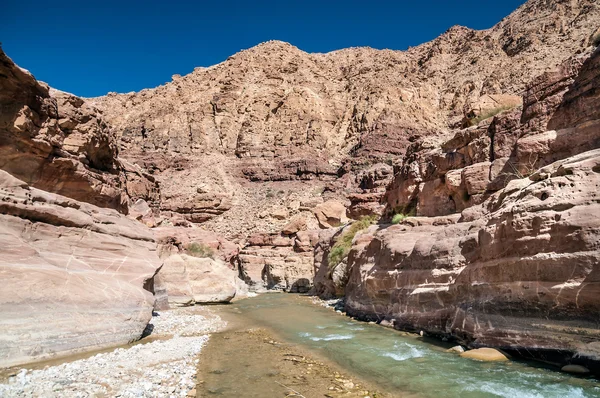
{"x":161,"y":368}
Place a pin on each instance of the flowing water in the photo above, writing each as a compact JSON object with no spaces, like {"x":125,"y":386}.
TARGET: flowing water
{"x":401,"y":363}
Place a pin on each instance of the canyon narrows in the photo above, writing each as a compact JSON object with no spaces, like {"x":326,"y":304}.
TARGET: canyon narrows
{"x":451,"y":190}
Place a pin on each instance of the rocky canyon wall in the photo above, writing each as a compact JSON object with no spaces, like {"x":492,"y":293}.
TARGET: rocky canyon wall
{"x":275,"y":117}
{"x":74,"y":275}
{"x":512,"y":262}
{"x":77,"y":275}
{"x":519,"y":272}
{"x":248,"y":170}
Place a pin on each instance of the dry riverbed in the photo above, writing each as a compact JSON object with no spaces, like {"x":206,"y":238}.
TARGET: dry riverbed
{"x":163,"y":365}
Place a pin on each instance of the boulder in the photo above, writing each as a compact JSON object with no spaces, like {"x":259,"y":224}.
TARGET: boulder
{"x":330,"y":214}
{"x":485,"y":354}
{"x":457,"y":349}
{"x":279,"y":213}
{"x":575,"y":369}
{"x":190,"y":280}
{"x":296,"y":225}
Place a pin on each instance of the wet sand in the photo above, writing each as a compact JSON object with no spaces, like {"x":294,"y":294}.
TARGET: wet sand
{"x":249,"y":360}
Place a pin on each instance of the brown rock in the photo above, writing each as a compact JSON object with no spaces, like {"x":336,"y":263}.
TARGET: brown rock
{"x":330,"y":214}
{"x":476,"y":177}
{"x":173,"y":240}
{"x":516,"y":250}
{"x":575,"y":369}
{"x":191,"y":280}
{"x":485,"y":354}
{"x":296,"y":225}
{"x":75,"y":156}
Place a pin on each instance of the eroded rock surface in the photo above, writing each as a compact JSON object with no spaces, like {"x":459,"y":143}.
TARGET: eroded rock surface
{"x":70,"y":271}
{"x":519,"y":272}
{"x":279,"y":261}
{"x":59,"y":143}
{"x":275,"y":117}
{"x":190,"y":280}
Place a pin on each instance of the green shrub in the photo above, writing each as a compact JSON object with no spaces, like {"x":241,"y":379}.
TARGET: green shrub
{"x":487,"y":114}
{"x":398,"y":218}
{"x":199,"y":250}
{"x":343,"y":244}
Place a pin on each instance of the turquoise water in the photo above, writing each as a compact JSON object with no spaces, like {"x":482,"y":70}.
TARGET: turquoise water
{"x":402,"y":363}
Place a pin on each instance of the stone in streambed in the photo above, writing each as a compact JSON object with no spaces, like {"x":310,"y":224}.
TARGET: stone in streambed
{"x":458,"y":349}
{"x":576,"y":369}
{"x":485,"y":354}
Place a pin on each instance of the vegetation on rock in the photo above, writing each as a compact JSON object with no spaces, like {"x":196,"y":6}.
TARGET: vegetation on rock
{"x":199,"y":250}
{"x":342,"y":246}
{"x":487,"y":114}
{"x":398,"y":218}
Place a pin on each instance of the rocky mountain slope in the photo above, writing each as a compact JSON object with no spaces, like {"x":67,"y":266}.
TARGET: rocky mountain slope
{"x":520,"y":270}
{"x":276,"y":113}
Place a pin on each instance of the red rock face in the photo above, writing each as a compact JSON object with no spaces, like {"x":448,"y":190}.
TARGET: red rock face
{"x":279,"y":262}
{"x":274,"y":143}
{"x":275,"y":113}
{"x":581,"y":101}
{"x":73,"y":266}
{"x":519,"y":271}
{"x":59,"y":143}
{"x":439,"y":177}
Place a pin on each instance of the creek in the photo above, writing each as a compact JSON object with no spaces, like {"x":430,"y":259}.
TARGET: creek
{"x":398,"y":364}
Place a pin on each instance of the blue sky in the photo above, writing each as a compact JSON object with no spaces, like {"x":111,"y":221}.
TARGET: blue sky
{"x":92,"y":47}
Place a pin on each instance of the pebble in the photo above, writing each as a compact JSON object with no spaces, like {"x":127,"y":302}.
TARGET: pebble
{"x":137,"y":371}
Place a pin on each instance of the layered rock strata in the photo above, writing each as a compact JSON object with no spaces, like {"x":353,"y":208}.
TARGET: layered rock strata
{"x":74,"y":275}
{"x":279,"y":262}
{"x":274,"y":113}
{"x":518,"y":272}
{"x":444,"y":176}
{"x":59,"y":143}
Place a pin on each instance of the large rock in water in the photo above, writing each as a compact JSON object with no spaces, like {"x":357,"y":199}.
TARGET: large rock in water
{"x":74,"y":276}
{"x":521,"y":272}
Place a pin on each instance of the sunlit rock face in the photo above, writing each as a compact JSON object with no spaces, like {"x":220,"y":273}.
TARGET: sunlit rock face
{"x":74,"y":275}
{"x":519,"y":272}
{"x":274,"y":113}
{"x":77,"y":274}
{"x":59,"y":143}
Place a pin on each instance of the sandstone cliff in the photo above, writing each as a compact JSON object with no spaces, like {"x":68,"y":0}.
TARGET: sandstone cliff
{"x":75,"y":277}
{"x":76,"y":274}
{"x":271,"y":145}
{"x":519,"y":270}
{"x":57,"y":142}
